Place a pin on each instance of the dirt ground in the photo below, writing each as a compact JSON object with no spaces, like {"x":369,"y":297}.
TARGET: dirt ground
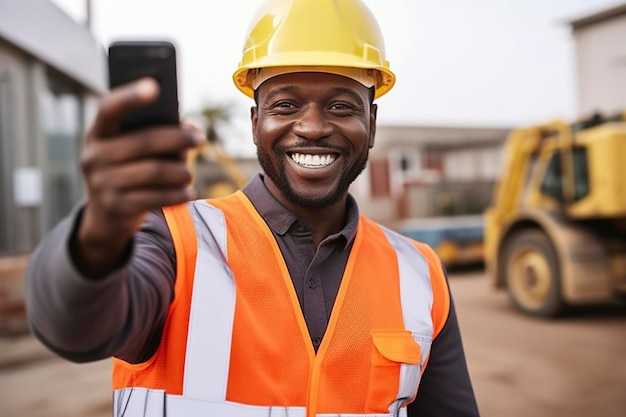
{"x":572,"y":367}
{"x":575,"y":366}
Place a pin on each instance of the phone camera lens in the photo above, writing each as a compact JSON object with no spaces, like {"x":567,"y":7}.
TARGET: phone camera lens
{"x":163,"y":53}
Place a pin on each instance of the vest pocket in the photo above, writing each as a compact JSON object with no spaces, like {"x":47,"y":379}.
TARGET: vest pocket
{"x":395,"y":368}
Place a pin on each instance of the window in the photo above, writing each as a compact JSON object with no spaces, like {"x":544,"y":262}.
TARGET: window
{"x":581,"y":173}
{"x":61,"y":112}
{"x":7,"y":231}
{"x":404,"y":166}
{"x":379,"y":177}
{"x":552,"y":183}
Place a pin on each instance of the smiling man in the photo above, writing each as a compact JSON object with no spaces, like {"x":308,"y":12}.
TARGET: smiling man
{"x":313,"y":132}
{"x":278,"y":300}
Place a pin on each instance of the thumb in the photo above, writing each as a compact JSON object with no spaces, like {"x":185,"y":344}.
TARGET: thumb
{"x":121,"y":101}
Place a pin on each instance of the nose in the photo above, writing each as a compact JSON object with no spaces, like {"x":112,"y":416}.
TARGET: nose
{"x":312,"y":123}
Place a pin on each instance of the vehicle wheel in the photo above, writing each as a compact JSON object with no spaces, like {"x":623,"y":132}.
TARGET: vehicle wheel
{"x":532,"y":274}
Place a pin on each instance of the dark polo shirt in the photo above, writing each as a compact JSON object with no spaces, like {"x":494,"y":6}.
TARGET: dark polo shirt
{"x":316,"y":272}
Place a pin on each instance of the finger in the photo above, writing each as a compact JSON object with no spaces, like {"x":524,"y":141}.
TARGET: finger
{"x":130,"y":204}
{"x":142,"y":174}
{"x":159,"y":141}
{"x":196,"y":130}
{"x":143,"y":144}
{"x":119,"y":102}
{"x":191,"y":124}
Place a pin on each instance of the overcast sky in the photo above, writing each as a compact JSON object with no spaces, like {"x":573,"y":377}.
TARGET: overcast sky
{"x":497,"y":63}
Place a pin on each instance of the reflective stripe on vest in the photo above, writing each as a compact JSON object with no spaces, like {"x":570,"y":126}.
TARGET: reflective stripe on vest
{"x":130,"y":402}
{"x":207,"y":361}
{"x":205,"y":379}
{"x":413,"y":293}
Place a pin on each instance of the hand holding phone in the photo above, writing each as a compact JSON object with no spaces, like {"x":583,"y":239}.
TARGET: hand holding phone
{"x":132,"y":160}
{"x":131,"y":60}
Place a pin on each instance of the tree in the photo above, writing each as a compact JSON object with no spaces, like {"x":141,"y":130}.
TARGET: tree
{"x":215,"y":172}
{"x":213,"y":116}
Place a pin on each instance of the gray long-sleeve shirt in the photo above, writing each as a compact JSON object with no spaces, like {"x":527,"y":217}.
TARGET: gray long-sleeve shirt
{"x":123,"y":314}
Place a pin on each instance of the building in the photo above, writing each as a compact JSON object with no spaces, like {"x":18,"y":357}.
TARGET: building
{"x":51,"y":73}
{"x":428,"y":171}
{"x":600,"y":41}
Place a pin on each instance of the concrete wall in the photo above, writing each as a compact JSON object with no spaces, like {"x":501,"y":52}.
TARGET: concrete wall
{"x":601,"y":63}
{"x":20,"y":78}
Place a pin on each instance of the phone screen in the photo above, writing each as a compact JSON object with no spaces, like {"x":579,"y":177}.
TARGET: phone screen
{"x":130,"y":60}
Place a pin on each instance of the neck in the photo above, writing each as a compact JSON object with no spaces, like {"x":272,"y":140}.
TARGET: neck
{"x":324,"y":221}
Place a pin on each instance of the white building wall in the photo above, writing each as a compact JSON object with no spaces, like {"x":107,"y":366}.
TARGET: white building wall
{"x":473,"y":164}
{"x":601,"y":65}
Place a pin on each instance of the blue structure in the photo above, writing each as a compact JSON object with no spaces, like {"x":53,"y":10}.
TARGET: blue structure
{"x":457,"y":239}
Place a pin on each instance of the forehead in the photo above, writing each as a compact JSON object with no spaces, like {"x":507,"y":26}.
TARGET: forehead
{"x":313,"y":83}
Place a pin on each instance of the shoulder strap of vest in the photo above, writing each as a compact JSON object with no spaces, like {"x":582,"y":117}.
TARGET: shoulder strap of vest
{"x":181,"y":227}
{"x":439,"y":284}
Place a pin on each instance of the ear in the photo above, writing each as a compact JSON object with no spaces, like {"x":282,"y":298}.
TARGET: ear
{"x":254,"y":119}
{"x":373,"y":114}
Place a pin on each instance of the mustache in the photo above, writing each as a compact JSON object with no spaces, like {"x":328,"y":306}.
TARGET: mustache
{"x":318,"y":144}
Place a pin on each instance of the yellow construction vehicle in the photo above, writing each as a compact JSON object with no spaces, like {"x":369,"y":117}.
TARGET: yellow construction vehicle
{"x":555,"y":235}
{"x":215,"y":173}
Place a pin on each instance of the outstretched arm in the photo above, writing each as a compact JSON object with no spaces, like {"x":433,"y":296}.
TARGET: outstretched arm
{"x":95,"y":285}
{"x":122,"y":314}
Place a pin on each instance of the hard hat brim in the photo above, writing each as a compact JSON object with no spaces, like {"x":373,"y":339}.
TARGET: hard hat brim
{"x":307,"y":61}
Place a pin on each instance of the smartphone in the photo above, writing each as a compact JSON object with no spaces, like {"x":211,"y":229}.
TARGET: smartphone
{"x":130,"y":60}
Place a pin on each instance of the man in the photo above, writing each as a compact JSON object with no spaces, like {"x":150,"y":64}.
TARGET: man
{"x":279,"y":300}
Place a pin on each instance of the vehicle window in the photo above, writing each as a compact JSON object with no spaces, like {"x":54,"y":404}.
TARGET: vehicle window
{"x":552,"y":183}
{"x":581,"y":173}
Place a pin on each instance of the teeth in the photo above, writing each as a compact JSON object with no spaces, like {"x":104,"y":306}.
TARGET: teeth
{"x":312,"y":161}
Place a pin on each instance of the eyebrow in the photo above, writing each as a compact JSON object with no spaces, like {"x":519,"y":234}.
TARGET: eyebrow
{"x":348,"y":91}
{"x":294,"y":89}
{"x":277,"y":91}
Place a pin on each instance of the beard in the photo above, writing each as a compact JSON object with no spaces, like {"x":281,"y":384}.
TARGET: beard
{"x":278,"y":174}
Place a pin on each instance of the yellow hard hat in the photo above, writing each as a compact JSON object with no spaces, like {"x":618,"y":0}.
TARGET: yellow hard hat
{"x":336,"y":36}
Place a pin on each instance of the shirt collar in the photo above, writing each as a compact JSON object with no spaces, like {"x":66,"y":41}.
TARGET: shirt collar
{"x":279,"y":219}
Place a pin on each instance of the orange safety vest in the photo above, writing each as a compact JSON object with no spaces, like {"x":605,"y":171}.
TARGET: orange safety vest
{"x":235,"y":341}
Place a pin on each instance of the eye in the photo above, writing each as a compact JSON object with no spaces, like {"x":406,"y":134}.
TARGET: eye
{"x":342,"y":108}
{"x":283,"y":107}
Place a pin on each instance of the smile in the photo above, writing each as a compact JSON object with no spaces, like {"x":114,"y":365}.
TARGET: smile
{"x":313,"y":161}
